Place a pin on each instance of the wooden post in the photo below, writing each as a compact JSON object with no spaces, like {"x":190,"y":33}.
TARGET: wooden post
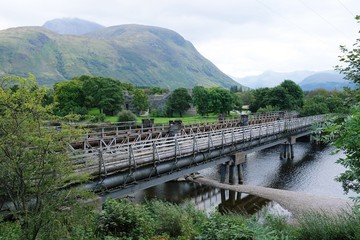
{"x":232,"y":174}
{"x":223,"y":170}
{"x":240,"y":173}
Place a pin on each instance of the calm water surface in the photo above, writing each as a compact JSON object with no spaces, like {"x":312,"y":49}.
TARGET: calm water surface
{"x":313,"y":171}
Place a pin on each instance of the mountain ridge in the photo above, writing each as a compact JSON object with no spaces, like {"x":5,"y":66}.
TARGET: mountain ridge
{"x":272,"y":78}
{"x":142,"y":55}
{"x":73,"y":26}
{"x":307,"y":80}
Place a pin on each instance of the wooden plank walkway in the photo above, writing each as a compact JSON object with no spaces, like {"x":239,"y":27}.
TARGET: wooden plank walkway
{"x":124,"y":156}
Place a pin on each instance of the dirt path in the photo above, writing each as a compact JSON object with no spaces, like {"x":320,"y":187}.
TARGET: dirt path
{"x":295,"y":202}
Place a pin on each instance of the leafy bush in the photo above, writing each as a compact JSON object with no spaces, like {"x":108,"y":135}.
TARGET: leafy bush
{"x":125,"y":220}
{"x":171,"y":219}
{"x":158,"y":112}
{"x":126,"y":116}
{"x":97,"y":118}
{"x":9,"y":230}
{"x":224,"y":227}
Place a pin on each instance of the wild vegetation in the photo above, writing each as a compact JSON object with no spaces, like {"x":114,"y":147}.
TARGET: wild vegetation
{"x":34,"y":164}
{"x":123,"y":220}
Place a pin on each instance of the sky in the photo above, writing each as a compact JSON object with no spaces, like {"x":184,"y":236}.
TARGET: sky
{"x":241,"y":37}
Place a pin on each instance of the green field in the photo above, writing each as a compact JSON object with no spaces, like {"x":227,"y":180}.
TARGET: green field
{"x":165,"y":120}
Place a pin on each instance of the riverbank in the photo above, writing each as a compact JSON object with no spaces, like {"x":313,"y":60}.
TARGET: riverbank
{"x":295,"y":202}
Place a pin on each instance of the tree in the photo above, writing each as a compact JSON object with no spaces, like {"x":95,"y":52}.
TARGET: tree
{"x":34,"y":166}
{"x":220,"y":100}
{"x":287,"y":96}
{"x":314,"y":106}
{"x":200,"y":96}
{"x":278,"y":97}
{"x":179,"y":101}
{"x":345,"y":134}
{"x":140,"y":100}
{"x":103,"y":93}
{"x":69,"y":97}
{"x":321,"y":101}
{"x":295,"y":95}
{"x":247,"y":97}
{"x":260,"y":99}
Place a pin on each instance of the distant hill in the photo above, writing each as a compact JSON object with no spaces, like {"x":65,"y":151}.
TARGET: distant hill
{"x":272,"y":79}
{"x":142,"y":55}
{"x":328,"y":80}
{"x":73,"y":26}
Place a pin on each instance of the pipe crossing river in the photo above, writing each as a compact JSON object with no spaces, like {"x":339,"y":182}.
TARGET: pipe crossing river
{"x":295,"y":202}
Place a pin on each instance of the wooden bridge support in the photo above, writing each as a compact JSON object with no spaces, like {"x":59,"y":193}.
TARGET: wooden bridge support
{"x":287,"y":149}
{"x":236,"y":175}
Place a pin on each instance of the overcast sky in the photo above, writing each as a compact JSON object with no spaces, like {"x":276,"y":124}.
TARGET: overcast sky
{"x":241,"y":37}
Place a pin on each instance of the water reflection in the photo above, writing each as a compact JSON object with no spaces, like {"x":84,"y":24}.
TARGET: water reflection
{"x":241,"y":203}
{"x":313,"y":170}
{"x":204,"y":197}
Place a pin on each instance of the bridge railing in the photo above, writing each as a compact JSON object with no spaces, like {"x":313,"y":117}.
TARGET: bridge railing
{"x":96,"y":131}
{"x":121,"y":157}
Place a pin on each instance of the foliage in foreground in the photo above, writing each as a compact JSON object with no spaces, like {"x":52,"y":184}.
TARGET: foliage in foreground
{"x":34,"y":164}
{"x":155,"y":220}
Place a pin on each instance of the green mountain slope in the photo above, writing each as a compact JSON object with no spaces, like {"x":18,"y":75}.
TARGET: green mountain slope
{"x":142,"y":55}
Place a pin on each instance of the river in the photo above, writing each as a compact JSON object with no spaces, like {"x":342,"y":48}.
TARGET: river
{"x":313,"y":170}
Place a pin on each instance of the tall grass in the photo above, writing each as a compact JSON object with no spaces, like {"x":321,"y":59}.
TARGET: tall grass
{"x":321,"y":225}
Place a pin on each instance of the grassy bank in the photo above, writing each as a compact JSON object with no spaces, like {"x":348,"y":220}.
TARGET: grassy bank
{"x":157,"y":220}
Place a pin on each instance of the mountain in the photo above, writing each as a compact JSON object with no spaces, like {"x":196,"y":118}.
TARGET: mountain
{"x":142,"y":55}
{"x":328,"y":80}
{"x":272,"y":79}
{"x":72,"y":26}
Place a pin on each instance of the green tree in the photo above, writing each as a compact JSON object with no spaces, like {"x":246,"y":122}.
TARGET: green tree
{"x":179,"y":101}
{"x":278,"y":97}
{"x":287,"y":96}
{"x":103,"y":93}
{"x":314,"y":106}
{"x":295,"y":94}
{"x":321,"y":101}
{"x":246,"y":97}
{"x":220,"y":100}
{"x":345,"y":134}
{"x":34,"y":166}
{"x":140,"y":100}
{"x":260,"y":99}
{"x":200,"y":96}
{"x":69,"y":97}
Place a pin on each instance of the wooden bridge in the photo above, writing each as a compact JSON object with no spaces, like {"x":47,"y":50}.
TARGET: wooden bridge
{"x":120,"y":166}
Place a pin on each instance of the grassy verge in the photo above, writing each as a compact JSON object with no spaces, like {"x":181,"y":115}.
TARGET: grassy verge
{"x":121,"y":219}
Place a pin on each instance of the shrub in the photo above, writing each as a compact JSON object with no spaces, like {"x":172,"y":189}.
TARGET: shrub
{"x":97,"y":118}
{"x":126,"y":116}
{"x":172,"y":220}
{"x":224,"y":227}
{"x":158,"y":112}
{"x":9,"y":230}
{"x":125,"y":220}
